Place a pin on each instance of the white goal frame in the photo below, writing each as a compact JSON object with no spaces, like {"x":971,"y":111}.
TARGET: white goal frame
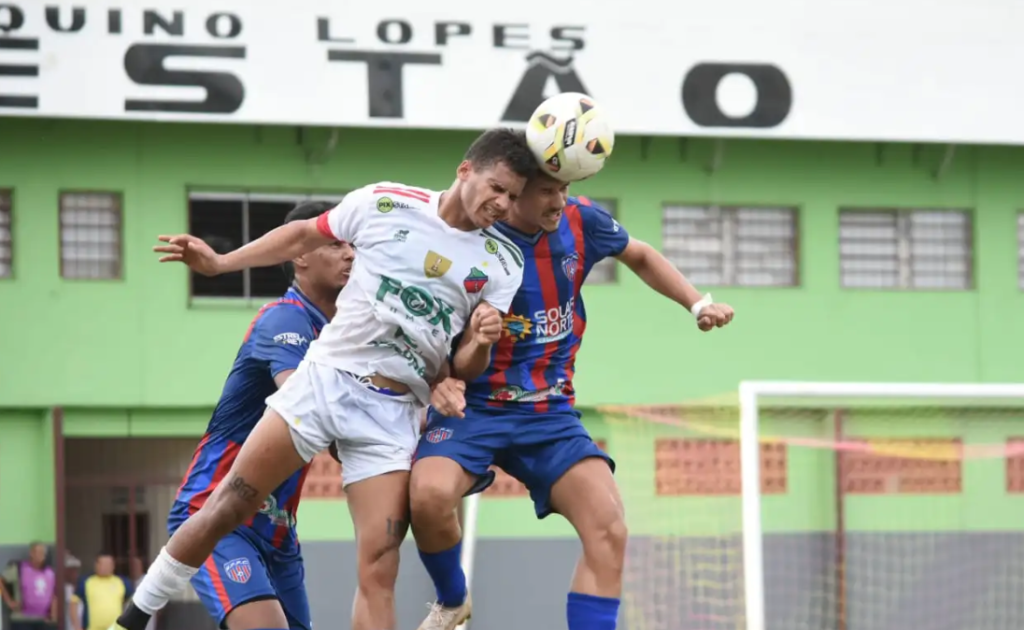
{"x":752,"y":392}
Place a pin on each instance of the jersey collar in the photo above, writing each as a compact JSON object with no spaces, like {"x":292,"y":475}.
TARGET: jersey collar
{"x":508,"y":230}
{"x":318,"y":315}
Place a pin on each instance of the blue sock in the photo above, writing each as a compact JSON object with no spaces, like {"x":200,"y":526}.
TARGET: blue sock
{"x":590,"y":612}
{"x":446,"y":572}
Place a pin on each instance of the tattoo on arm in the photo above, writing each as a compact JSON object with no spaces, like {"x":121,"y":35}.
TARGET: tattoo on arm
{"x":241,"y":487}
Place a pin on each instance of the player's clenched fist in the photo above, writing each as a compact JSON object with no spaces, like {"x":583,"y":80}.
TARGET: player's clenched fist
{"x":190,"y":250}
{"x":486,"y":325}
{"x":714,"y":316}
{"x":449,"y":398}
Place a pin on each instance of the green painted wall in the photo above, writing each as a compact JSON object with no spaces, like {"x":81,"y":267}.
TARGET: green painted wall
{"x":158,"y":352}
{"x":137,"y":343}
{"x":26,"y":477}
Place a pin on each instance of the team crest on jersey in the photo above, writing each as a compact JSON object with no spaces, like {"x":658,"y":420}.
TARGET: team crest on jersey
{"x":475,"y":281}
{"x":238,"y":570}
{"x":570,"y":265}
{"x":435,"y":265}
{"x":440,"y":434}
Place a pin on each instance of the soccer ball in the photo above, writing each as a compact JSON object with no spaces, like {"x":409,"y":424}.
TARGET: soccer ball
{"x":571,"y":136}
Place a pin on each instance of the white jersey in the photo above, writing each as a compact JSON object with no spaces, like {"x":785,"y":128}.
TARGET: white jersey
{"x":414,"y":284}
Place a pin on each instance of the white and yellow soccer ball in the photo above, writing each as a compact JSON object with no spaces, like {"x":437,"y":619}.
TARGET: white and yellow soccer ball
{"x":571,"y":136}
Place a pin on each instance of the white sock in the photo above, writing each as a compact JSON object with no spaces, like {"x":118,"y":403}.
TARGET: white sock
{"x":165,"y":578}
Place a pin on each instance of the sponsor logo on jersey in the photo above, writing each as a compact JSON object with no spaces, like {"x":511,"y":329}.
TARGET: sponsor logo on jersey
{"x":491,"y":247}
{"x":291,"y":339}
{"x":440,"y":434}
{"x":416,"y":302}
{"x":238,"y":570}
{"x":517,"y":327}
{"x":554,"y":324}
{"x":435,"y":265}
{"x":385,"y":205}
{"x":546,"y":326}
{"x":401,"y":235}
{"x":403,"y":346}
{"x":515,"y":393}
{"x":277,"y":515}
{"x":570,"y":265}
{"x":475,"y":281}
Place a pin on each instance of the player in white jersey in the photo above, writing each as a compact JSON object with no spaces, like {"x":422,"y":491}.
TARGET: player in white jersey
{"x":420,"y":277}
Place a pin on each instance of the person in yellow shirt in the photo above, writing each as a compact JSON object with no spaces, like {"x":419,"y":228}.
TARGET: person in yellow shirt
{"x":103,"y":594}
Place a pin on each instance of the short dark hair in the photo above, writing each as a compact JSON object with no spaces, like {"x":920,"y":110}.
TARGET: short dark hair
{"x":503,"y":145}
{"x":301,"y":212}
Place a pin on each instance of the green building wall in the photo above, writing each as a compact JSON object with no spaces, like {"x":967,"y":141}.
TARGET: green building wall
{"x":103,"y":348}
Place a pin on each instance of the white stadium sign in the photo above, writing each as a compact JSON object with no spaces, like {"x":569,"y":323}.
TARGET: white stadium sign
{"x":915,"y":70}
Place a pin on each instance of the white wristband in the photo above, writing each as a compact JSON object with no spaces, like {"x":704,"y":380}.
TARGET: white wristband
{"x":699,"y":306}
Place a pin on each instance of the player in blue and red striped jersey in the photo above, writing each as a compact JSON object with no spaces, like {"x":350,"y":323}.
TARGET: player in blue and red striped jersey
{"x":255,"y":577}
{"x":519,"y":410}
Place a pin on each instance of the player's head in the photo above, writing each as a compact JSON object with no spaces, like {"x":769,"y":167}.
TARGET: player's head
{"x":493,"y":173}
{"x":325,"y":268}
{"x":540,"y":205}
{"x":104,"y":564}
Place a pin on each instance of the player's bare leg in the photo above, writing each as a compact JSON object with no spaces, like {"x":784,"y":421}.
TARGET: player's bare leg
{"x":436,"y":489}
{"x":263,"y":613}
{"x":588,"y":497}
{"x":267,"y":458}
{"x":380,"y":512}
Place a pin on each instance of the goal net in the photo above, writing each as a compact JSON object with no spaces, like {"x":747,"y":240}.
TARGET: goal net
{"x":866,"y":507}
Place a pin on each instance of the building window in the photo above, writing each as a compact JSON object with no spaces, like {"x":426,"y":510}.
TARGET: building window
{"x":90,"y":235}
{"x":226,"y":221}
{"x":604,"y":272}
{"x":905,"y":249}
{"x":6,"y":254}
{"x":731,"y":246}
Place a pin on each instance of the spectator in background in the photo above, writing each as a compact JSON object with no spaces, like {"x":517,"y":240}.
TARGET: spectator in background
{"x":32,"y":586}
{"x":73,"y":605}
{"x":103,"y":594}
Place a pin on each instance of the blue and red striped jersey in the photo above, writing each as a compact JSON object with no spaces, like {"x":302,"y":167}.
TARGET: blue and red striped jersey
{"x":533,"y":364}
{"x":276,"y":341}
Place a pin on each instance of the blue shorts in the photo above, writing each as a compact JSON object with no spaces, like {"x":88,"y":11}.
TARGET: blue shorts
{"x":245,"y":568}
{"x":535,"y":448}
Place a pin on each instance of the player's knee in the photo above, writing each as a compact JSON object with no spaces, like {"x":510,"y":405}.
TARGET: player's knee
{"x":432,"y":498}
{"x":605,"y":541}
{"x":378,"y":566}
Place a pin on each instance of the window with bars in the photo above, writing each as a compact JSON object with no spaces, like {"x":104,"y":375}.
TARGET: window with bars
{"x":732,"y":246}
{"x":905,"y":249}
{"x":226,"y":221}
{"x":605,"y":271}
{"x":6,"y":239}
{"x":90,"y":235}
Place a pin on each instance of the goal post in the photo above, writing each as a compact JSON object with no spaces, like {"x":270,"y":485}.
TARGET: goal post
{"x":817,"y":506}
{"x":754,"y":395}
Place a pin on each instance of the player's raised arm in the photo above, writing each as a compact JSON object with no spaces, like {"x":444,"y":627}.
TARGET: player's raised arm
{"x":277,"y":246}
{"x":273,"y":248}
{"x":606,"y":237}
{"x":661,"y":275}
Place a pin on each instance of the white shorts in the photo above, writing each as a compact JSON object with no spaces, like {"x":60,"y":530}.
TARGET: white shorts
{"x":376,"y":433}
